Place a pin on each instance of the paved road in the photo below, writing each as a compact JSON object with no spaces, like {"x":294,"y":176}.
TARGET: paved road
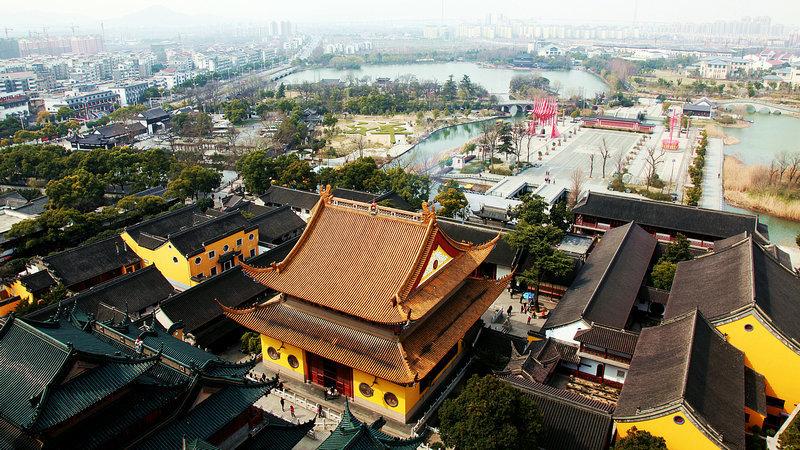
{"x":712,"y":178}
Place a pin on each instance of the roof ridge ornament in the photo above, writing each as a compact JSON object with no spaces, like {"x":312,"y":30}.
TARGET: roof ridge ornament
{"x":428,"y":212}
{"x":325,"y":194}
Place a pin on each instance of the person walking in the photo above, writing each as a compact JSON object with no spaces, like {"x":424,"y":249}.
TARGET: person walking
{"x":291,"y":411}
{"x":529,"y":317}
{"x":510,"y":308}
{"x":283,"y":404}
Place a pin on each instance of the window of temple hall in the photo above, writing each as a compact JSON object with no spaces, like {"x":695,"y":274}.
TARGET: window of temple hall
{"x":239,"y":242}
{"x":174,"y":259}
{"x":211,"y":254}
{"x":679,"y":420}
{"x":198,"y":260}
{"x":250,"y":237}
{"x":366,"y":390}
{"x":225,"y":248}
{"x":273,"y":353}
{"x":293,"y":361}
{"x":390,"y":399}
{"x":748,"y":327}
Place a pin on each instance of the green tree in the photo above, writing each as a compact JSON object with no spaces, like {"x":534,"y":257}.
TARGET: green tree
{"x":329,"y":120}
{"x":236,"y":111}
{"x":533,"y":210}
{"x":538,"y":242}
{"x":449,"y":89}
{"x":194,"y":124}
{"x":64,"y":113}
{"x":640,"y":440}
{"x":790,"y":438}
{"x":194,"y":182}
{"x":281,"y":91}
{"x":362,"y":174}
{"x":126,"y":113}
{"x":506,"y":138}
{"x":561,"y":216}
{"x":490,"y":415}
{"x":413,"y":188}
{"x":82,"y":191}
{"x":452,"y":199}
{"x":679,"y":250}
{"x":298,"y":175}
{"x":151,"y":92}
{"x":256,"y":171}
{"x":662,"y":274}
{"x":143,"y":205}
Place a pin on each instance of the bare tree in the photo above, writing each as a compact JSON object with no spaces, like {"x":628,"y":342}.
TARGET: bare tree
{"x":528,"y":138}
{"x":591,"y":165}
{"x":555,"y":87}
{"x":518,"y":132}
{"x":488,"y":140}
{"x":604,"y":151}
{"x":619,"y":161}
{"x":577,"y":180}
{"x":655,"y":156}
{"x":360,"y":143}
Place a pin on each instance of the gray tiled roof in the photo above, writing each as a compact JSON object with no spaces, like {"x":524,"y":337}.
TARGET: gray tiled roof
{"x":685,"y":361}
{"x":605,"y":288}
{"x":570,"y":421}
{"x":680,"y":218}
{"x":738,"y":276}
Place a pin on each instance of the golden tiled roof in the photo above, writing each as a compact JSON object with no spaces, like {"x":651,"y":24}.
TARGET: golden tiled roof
{"x":364,"y":260}
{"x":398,"y":359}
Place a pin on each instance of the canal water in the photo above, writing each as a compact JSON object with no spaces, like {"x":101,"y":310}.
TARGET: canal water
{"x":495,"y":80}
{"x":759,"y":144}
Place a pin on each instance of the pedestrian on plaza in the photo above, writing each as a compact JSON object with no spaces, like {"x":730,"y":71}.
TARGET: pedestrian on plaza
{"x":291,"y":411}
{"x":510,"y":308}
{"x":283,"y":404}
{"x":319,"y":411}
{"x":529,"y":317}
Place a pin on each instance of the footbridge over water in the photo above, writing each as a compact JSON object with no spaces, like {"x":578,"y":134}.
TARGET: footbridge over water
{"x":759,"y":106}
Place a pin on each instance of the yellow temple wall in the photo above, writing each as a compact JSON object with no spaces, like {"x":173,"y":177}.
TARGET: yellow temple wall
{"x":298,"y":372}
{"x":767,"y":355}
{"x":17,"y":288}
{"x":218,"y":247}
{"x":407,"y":397}
{"x":679,"y":437}
{"x":162,"y":257}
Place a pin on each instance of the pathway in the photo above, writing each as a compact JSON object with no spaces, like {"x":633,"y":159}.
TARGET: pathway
{"x":712,"y":175}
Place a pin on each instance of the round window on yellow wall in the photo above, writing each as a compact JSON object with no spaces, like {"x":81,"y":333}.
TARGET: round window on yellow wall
{"x":748,"y":327}
{"x":366,"y":390}
{"x":390,"y":399}
{"x":679,"y":420}
{"x":293,"y":361}
{"x":273,"y":354}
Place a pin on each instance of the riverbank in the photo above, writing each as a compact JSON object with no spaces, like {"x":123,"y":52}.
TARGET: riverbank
{"x":714,"y":130}
{"x":740,"y":183}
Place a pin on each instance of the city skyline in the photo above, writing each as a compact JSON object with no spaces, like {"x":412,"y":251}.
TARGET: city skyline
{"x":52,"y":12}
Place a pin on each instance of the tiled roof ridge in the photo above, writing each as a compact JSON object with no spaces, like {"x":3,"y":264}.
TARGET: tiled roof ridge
{"x":406,"y":286}
{"x":559,"y":394}
{"x":271,"y":212}
{"x":194,"y":227}
{"x":661,"y":203}
{"x":158,"y":217}
{"x":629,"y":227}
{"x":72,"y":249}
{"x":316,"y":213}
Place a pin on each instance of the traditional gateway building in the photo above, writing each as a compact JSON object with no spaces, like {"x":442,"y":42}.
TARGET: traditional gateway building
{"x":378,"y":302}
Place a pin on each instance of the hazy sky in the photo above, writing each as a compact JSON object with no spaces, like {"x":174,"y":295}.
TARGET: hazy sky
{"x":783,"y":11}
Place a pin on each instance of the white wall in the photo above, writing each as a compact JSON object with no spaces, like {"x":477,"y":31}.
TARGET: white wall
{"x":567,"y":332}
{"x":610,"y":373}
